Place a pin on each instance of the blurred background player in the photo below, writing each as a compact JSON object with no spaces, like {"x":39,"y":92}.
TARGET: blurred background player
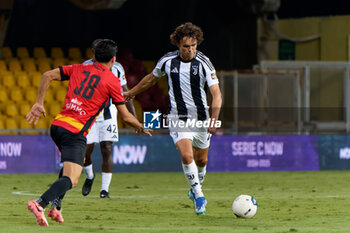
{"x":89,"y":91}
{"x":188,"y":72}
{"x":105,"y":132}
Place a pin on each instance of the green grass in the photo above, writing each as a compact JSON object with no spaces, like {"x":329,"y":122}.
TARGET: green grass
{"x":157,"y":202}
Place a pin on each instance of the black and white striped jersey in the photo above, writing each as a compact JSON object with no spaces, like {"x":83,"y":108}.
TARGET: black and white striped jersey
{"x":186,"y":84}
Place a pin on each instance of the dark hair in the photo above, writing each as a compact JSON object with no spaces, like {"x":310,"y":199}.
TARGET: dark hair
{"x":94,"y":43}
{"x":187,"y":29}
{"x":105,"y":50}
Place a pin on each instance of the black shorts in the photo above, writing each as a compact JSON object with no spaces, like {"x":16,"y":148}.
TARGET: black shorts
{"x":71,"y":145}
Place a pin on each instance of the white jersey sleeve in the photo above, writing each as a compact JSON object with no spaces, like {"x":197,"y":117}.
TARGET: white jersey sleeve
{"x":208,"y":68}
{"x":119,"y":72}
{"x":159,"y":70}
{"x":87,"y":62}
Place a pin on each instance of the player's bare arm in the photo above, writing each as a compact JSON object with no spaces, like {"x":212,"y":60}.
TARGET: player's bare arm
{"x":147,"y":82}
{"x":38,"y":107}
{"x":127,"y":117}
{"x":215,"y":105}
{"x":129,"y":104}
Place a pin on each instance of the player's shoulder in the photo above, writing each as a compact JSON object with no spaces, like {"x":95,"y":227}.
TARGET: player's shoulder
{"x":170,"y":55}
{"x":118,"y":66}
{"x":204,"y":59}
{"x":88,"y":62}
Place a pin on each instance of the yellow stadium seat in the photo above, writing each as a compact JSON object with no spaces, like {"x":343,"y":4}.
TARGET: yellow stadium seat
{"x":54,"y":109}
{"x":44,"y":65}
{"x":8,"y":80}
{"x":30,"y":94}
{"x":88,"y":53}
{"x":23,"y":124}
{"x":22,"y":52}
{"x":163,"y":84}
{"x":3,"y":66}
{"x":39,"y":52}
{"x":14,"y":65}
{"x":74,"y":53}
{"x":36,"y":78}
{"x":29,"y":65}
{"x":11,"y":109}
{"x":49,"y":96}
{"x":149,"y":66}
{"x":3,"y":95}
{"x":24,"y":108}
{"x":57,"y":52}
{"x":6,"y":52}
{"x":22,"y":80}
{"x":16,"y":95}
{"x":11,"y":123}
{"x":42,"y":124}
{"x":60,"y":94}
{"x":59,"y":62}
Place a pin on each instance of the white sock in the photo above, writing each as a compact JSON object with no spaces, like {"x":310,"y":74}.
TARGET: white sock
{"x":106,"y":181}
{"x":89,"y":172}
{"x":191,"y":174}
{"x":201,"y":173}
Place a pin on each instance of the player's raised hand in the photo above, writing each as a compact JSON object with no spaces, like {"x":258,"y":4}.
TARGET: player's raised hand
{"x":35,"y":113}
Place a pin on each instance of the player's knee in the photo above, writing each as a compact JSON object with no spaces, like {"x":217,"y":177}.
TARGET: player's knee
{"x":201,"y":162}
{"x":74,"y":182}
{"x":107,"y":147}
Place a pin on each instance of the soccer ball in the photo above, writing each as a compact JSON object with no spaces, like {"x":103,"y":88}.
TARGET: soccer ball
{"x":244,"y":206}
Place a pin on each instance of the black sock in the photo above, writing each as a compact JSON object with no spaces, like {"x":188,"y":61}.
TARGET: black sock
{"x":57,"y":189}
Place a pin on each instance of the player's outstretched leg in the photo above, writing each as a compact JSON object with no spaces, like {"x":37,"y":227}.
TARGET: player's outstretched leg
{"x":38,"y":212}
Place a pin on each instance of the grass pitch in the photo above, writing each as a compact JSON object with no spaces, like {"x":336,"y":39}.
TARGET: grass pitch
{"x":157,"y":202}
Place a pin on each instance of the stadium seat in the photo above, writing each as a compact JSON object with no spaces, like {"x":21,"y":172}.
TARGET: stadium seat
{"x":57,"y":52}
{"x":44,"y":65}
{"x":22,"y":52}
{"x":11,"y":109}
{"x":39,"y":52}
{"x":24,"y":108}
{"x":14,"y":65}
{"x":30,"y":94}
{"x":54,"y":108}
{"x":23,"y":124}
{"x":88,"y":53}
{"x":3,"y":95}
{"x":11,"y":123}
{"x":60,"y":94}
{"x":74,"y":53}
{"x":163,"y":85}
{"x":3,"y":66}
{"x":22,"y":80}
{"x":36,"y":78}
{"x":16,"y":95}
{"x":2,"y":123}
{"x":59,"y":62}
{"x":8,"y":80}
{"x":49,"y":96}
{"x":149,"y":65}
{"x":42,"y":124}
{"x":29,"y":65}
{"x":6,"y":52}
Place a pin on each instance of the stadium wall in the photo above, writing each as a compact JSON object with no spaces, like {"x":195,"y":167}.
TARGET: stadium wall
{"x":38,"y":154}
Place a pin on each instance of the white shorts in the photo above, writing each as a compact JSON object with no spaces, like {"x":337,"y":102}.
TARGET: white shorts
{"x":104,"y":130}
{"x":200,"y":140}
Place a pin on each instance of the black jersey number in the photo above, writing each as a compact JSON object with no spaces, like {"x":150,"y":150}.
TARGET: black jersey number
{"x":88,"y":90}
{"x":112,"y":128}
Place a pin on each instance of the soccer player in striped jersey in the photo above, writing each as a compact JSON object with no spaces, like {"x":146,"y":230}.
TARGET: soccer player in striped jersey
{"x":89,"y":91}
{"x":188,"y":72}
{"x":105,"y":132}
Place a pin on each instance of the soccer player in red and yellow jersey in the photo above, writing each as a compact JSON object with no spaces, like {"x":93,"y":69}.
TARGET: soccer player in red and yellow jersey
{"x":89,"y":90}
